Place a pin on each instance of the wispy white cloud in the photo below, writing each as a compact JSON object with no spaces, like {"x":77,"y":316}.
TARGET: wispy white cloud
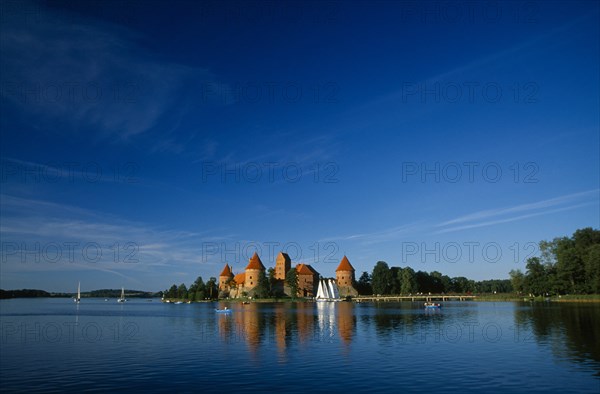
{"x":303,"y":159}
{"x":477,"y":219}
{"x":499,"y":215}
{"x":385,"y":235}
{"x":126,"y":246}
{"x":90,"y":75}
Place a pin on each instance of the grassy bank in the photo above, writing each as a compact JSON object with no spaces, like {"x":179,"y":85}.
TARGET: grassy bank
{"x":500,"y":297}
{"x":562,"y":298}
{"x":577,"y":298}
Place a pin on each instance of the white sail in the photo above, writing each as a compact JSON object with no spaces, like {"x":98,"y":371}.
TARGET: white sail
{"x":327,"y":290}
{"x":331,"y":287}
{"x":320,"y":293}
{"x":78,"y":292}
{"x":336,"y":291}
{"x":122,"y":299}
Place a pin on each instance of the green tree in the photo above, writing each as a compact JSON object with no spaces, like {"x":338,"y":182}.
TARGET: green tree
{"x":517,"y":279}
{"x":446,"y":282}
{"x":571,"y":263}
{"x":570,"y":269}
{"x":199,"y":289}
{"x":395,"y":273}
{"x":586,"y":241}
{"x":291,"y":279}
{"x":200,"y":295}
{"x":381,"y":278}
{"x":424,"y":283}
{"x":437,"y":286}
{"x":363,"y":286}
{"x":592,"y":268}
{"x":182,"y":292}
{"x":494,"y":285}
{"x":408,"y":284}
{"x":212,"y":288}
{"x":199,"y":284}
{"x":172,"y":292}
{"x":461,"y":285}
{"x":262,"y":286}
{"x":537,"y":280}
{"x":272,"y":281}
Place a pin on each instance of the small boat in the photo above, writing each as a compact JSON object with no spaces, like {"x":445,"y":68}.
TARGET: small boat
{"x":122,"y":299}
{"x":224,"y":310}
{"x":246,"y":303}
{"x":78,"y":293}
{"x":178,"y":302}
{"x":431,"y":305}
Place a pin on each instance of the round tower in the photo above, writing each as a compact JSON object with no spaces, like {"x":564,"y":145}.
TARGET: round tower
{"x":224,"y":277}
{"x":255,"y":266}
{"x":344,"y":276}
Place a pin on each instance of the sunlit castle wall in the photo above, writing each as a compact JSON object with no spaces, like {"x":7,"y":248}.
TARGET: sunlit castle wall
{"x":344,"y":275}
{"x":253,"y":270}
{"x":283,"y":264}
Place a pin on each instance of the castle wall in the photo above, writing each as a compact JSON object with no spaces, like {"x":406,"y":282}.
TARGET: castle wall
{"x":251,"y":279}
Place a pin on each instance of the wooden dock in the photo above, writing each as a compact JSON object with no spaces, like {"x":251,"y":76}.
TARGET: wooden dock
{"x":420,"y":297}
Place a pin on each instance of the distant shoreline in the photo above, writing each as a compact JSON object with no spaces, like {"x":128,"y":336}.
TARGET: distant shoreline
{"x":103,"y":293}
{"x":100,"y":294}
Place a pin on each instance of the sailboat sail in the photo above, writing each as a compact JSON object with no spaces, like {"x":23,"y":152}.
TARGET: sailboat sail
{"x":78,"y":292}
{"x":122,"y":299}
{"x":327,"y":290}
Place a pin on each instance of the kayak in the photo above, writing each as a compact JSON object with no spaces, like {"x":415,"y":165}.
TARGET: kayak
{"x":223,"y":310}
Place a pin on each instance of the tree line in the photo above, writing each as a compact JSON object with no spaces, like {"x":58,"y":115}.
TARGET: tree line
{"x":116,"y":293}
{"x":198,"y":291}
{"x":385,"y":280}
{"x":567,"y":265}
{"x":24,"y":293}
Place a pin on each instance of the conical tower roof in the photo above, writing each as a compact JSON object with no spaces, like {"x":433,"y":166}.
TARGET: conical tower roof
{"x":226,"y":271}
{"x":345,"y":265}
{"x":255,"y":263}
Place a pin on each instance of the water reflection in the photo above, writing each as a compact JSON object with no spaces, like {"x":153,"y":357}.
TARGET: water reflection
{"x":287,"y":325}
{"x":346,"y":321}
{"x":476,"y":346}
{"x":572,"y":329}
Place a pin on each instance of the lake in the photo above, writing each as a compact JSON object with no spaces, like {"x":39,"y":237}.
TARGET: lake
{"x":57,"y":345}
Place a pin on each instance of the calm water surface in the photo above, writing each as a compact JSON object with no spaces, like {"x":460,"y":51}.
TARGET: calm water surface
{"x":56,"y":345}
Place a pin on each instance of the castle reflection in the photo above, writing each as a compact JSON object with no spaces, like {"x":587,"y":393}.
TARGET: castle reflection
{"x":286,"y":328}
{"x":287,"y":325}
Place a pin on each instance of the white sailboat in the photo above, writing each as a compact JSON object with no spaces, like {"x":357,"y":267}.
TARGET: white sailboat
{"x":78,"y":298}
{"x":122,"y":299}
{"x":328,"y":290}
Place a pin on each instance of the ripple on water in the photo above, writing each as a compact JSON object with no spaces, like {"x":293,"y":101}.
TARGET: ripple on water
{"x":375,"y":348}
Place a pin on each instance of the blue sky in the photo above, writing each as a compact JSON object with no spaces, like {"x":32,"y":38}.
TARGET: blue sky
{"x":145,"y":145}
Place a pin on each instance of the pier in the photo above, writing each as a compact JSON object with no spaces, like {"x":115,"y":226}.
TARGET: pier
{"x":421,"y":297}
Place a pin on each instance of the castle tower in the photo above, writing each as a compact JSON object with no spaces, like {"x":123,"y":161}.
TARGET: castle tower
{"x":308,"y":280}
{"x":224,"y":277}
{"x":283,"y":264}
{"x":344,"y":276}
{"x":253,"y":269}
